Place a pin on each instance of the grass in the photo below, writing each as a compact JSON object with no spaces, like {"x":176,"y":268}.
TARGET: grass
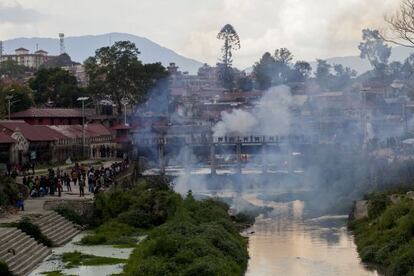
{"x":75,"y":259}
{"x":31,"y":229}
{"x":112,"y":233}
{"x":55,"y":273}
{"x":386,"y":237}
{"x":71,"y":215}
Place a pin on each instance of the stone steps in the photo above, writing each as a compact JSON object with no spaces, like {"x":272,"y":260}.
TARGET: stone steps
{"x":27,"y":254}
{"x":56,"y":228}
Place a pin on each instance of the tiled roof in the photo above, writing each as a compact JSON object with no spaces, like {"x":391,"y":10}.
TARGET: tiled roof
{"x":31,"y":133}
{"x":120,"y":126}
{"x":6,"y":139}
{"x":21,"y":49}
{"x":51,"y":112}
{"x":75,"y":131}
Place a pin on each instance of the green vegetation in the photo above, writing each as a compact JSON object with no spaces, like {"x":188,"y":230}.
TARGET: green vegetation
{"x":183,"y":236}
{"x":386,"y":237}
{"x":56,"y":85}
{"x":9,"y":191}
{"x":71,"y":215}
{"x":199,"y":239}
{"x":4,"y":269}
{"x":22,"y":97}
{"x":113,"y":233}
{"x":26,"y":226}
{"x":56,"y":273}
{"x":74,"y":259}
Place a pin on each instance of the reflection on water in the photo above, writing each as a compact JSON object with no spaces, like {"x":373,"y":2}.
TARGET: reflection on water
{"x":285,"y":243}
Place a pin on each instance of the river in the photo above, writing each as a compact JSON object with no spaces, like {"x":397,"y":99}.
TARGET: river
{"x":285,"y":243}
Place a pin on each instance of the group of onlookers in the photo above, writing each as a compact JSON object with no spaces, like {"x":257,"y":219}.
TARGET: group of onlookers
{"x":15,"y":170}
{"x":56,"y":180}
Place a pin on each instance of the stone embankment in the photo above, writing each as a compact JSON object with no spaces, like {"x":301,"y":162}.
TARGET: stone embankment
{"x":22,"y":253}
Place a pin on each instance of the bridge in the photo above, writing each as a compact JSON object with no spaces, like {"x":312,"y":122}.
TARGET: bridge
{"x":208,"y":147}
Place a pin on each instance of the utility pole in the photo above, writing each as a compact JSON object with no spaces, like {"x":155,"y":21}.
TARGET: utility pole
{"x":124,"y":102}
{"x":83,"y":99}
{"x":9,"y":99}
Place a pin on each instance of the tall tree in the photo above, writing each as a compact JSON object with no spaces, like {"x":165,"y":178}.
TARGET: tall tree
{"x":263,"y":71}
{"x":22,"y":98}
{"x":282,"y":57}
{"x":231,"y":42}
{"x":402,"y":24}
{"x":375,"y":50}
{"x":116,"y":73}
{"x":56,"y":87}
{"x":301,"y":71}
{"x":10,"y":69}
{"x":323,"y":72}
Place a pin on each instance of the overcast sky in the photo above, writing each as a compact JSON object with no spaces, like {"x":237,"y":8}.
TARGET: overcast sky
{"x":309,"y":28}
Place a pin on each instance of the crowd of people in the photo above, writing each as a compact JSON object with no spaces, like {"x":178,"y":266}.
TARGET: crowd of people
{"x":15,"y":170}
{"x":90,"y":178}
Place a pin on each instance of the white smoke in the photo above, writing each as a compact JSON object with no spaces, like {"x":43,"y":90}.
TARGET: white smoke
{"x":270,"y":116}
{"x":238,"y":121}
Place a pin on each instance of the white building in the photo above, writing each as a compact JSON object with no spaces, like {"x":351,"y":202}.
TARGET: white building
{"x":23,"y":57}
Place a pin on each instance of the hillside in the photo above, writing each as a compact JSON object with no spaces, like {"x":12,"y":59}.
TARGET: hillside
{"x":81,"y":47}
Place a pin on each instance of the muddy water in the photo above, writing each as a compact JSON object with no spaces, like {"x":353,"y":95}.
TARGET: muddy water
{"x":54,"y":263}
{"x":285,"y":243}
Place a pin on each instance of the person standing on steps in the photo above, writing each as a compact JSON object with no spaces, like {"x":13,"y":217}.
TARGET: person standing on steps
{"x":20,"y":202}
{"x":59,"y":187}
{"x":82,"y":186}
{"x":66,"y":179}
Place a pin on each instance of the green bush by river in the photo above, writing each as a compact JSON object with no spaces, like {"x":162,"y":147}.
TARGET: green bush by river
{"x":386,"y":237}
{"x":184,"y":236}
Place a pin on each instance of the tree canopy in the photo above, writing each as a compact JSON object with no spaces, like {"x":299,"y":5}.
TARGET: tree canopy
{"x":22,"y":98}
{"x":116,"y":73}
{"x":56,"y":87}
{"x":278,"y":69}
{"x":231,"y":42}
{"x":374,"y":49}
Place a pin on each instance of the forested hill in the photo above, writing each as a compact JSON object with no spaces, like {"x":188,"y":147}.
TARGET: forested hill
{"x":81,"y":47}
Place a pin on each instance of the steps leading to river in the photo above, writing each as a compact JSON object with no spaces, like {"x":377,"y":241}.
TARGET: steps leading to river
{"x":20,"y":251}
{"x":57,"y":228}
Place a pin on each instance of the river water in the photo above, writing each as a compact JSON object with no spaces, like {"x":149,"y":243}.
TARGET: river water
{"x":285,"y":243}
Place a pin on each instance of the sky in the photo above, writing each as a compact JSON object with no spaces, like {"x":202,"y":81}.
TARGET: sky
{"x":309,"y":28}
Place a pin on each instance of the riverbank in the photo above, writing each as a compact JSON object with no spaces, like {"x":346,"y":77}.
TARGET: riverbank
{"x":182,"y":235}
{"x":384,"y":235}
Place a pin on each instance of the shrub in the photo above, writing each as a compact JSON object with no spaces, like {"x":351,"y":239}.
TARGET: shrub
{"x":9,"y":191}
{"x":136,"y":218}
{"x":4,"y":269}
{"x":71,"y":215}
{"x":199,"y":239}
{"x":26,"y":226}
{"x":377,"y":204}
{"x":385,"y":238}
{"x":112,"y":232}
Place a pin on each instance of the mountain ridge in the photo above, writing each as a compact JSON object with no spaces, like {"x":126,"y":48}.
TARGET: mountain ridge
{"x":82,"y":46}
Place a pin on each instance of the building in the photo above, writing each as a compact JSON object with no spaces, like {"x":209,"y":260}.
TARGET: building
{"x":23,"y":57}
{"x":6,"y":148}
{"x":31,"y":142}
{"x":21,"y":142}
{"x":52,"y":116}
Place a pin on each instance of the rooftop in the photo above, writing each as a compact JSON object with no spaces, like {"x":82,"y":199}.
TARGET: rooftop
{"x":51,"y":112}
{"x":5,"y":139}
{"x":31,"y":133}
